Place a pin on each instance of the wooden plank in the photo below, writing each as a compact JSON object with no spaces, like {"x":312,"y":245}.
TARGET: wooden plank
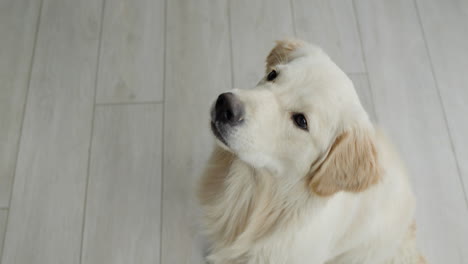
{"x":332,"y":25}
{"x":45,"y":219}
{"x":124,"y":192}
{"x":18,"y":23}
{"x":132,"y":52}
{"x":3,"y":222}
{"x":254,"y":31}
{"x":197,"y":70}
{"x":408,"y":106}
{"x":361,"y":84}
{"x":445,"y":26}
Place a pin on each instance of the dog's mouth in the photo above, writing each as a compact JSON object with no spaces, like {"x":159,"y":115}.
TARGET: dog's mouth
{"x":218,"y":132}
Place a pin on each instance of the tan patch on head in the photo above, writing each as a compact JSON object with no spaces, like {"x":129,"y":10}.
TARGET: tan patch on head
{"x":281,"y":53}
{"x":351,"y":165}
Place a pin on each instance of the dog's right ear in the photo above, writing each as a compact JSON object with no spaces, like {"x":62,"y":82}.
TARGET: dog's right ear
{"x":282,"y":53}
{"x":351,"y":165}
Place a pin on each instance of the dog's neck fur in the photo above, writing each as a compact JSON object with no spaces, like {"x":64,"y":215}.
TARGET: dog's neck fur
{"x":262,"y":202}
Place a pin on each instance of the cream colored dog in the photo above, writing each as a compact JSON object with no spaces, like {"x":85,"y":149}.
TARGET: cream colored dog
{"x":300,"y":174}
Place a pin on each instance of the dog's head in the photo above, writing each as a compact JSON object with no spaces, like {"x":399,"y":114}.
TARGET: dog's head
{"x":303,"y":120}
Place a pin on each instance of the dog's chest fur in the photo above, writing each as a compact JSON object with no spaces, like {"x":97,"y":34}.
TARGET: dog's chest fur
{"x":248,"y":213}
{"x":255,"y":218}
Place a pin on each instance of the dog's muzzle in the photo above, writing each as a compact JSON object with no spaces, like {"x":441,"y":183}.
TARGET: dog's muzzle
{"x":227,"y":113}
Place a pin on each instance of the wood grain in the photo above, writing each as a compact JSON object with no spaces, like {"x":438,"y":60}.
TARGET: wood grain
{"x":45,"y":221}
{"x":408,"y":106}
{"x":254,"y":31}
{"x":18,"y":23}
{"x":331,"y":24}
{"x":124,"y":195}
{"x":132,"y":52}
{"x":445,"y":26}
{"x":197,"y":70}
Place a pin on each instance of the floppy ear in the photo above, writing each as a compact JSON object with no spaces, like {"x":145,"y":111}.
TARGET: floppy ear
{"x":351,"y":165}
{"x":281,"y":53}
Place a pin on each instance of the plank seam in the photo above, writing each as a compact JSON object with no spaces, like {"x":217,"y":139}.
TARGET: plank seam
{"x":439,"y":97}
{"x":361,"y":45}
{"x":33,"y":55}
{"x":96,"y":78}
{"x":131,"y":103}
{"x":231,"y":52}
{"x":293,"y":17}
{"x":163,"y":117}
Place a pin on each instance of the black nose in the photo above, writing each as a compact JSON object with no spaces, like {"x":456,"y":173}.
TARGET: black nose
{"x":229,"y":109}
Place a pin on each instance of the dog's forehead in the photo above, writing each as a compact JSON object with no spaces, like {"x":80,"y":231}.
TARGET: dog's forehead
{"x":300,"y":81}
{"x":312,"y":89}
{"x":295,"y":99}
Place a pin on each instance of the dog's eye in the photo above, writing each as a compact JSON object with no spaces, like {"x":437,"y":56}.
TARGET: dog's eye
{"x":272,"y":75}
{"x":300,"y":121}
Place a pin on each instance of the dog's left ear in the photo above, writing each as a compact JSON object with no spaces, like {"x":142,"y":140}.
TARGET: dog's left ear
{"x":281,"y":53}
{"x":351,"y":165}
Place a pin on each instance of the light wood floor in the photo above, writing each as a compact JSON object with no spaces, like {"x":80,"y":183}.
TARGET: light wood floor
{"x":104,"y":113}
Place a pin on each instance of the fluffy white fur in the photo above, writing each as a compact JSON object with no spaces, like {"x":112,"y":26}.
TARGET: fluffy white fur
{"x":337,"y":193}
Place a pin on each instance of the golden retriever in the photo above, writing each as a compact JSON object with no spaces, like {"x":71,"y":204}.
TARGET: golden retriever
{"x":300,"y":174}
